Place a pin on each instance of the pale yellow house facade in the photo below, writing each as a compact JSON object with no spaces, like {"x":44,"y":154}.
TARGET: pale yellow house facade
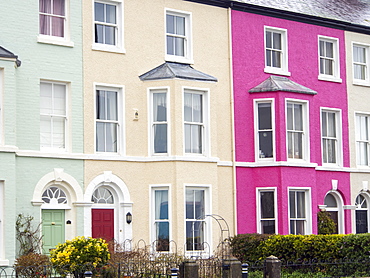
{"x":158,"y":123}
{"x":358,"y":85}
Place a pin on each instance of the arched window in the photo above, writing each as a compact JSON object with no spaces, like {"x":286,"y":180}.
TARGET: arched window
{"x":334,"y":206}
{"x":54,"y":196}
{"x":102,"y":195}
{"x":362,"y":215}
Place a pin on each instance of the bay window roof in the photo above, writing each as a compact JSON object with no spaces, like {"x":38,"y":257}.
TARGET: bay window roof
{"x":282,"y":84}
{"x":170,"y":70}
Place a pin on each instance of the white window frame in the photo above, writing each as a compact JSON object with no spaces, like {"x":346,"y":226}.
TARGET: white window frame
{"x":152,"y":225}
{"x":340,"y":209}
{"x":64,"y":41}
{"x":366,"y":81}
{"x":120,"y":116}
{"x":366,"y":196}
{"x":358,"y":131}
{"x":151,"y":122}
{"x":259,"y":190}
{"x":119,"y":34}
{"x":283,"y":69}
{"x":337,"y":139}
{"x":3,"y":261}
{"x":67,"y":122}
{"x":208,"y":223}
{"x":308,"y":209}
{"x":1,"y":106}
{"x":206,"y":144}
{"x":188,"y":46}
{"x":335,"y":77}
{"x":305,"y":132}
{"x":257,"y":131}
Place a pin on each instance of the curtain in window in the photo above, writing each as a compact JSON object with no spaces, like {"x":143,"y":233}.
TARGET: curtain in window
{"x":265,"y":130}
{"x":161,"y":213}
{"x":45,"y":7}
{"x":106,"y":129}
{"x":160,"y":122}
{"x":193,"y":113}
{"x":362,"y":139}
{"x":195,"y":224}
{"x":52,"y":16}
{"x":175,"y":27}
{"x":52,"y":115}
{"x":359,"y":59}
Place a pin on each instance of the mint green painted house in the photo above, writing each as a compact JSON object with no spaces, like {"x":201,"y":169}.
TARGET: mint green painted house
{"x":41,"y":120}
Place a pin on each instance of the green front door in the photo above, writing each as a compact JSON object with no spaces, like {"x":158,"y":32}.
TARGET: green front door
{"x":52,"y":228}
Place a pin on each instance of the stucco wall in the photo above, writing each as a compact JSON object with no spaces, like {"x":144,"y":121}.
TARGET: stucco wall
{"x":248,"y":68}
{"x":144,"y":45}
{"x":360,"y":175}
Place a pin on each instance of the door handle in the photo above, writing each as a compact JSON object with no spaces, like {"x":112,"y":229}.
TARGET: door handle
{"x":52,"y":223}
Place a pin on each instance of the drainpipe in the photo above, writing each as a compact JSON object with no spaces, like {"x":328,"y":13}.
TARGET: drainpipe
{"x":235,"y":226}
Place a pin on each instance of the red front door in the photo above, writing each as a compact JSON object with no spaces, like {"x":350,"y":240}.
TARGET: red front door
{"x":103,"y":224}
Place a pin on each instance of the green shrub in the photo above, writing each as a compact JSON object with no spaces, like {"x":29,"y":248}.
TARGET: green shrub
{"x":253,"y":247}
{"x":325,"y":225}
{"x":245,"y":247}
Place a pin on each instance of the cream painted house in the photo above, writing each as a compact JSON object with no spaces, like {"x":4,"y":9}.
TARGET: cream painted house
{"x":358,"y":85}
{"x":158,"y":123}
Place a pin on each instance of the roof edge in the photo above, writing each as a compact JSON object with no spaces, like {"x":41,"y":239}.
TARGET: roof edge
{"x":289,"y":15}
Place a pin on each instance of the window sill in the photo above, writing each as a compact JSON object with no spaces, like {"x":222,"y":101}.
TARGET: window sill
{"x":329,"y":78}
{"x":331,"y":165}
{"x":277,"y":71}
{"x":54,"y":41}
{"x":179,"y":59}
{"x":108,"y":48}
{"x":52,"y":150}
{"x":361,"y":83}
{"x":4,"y":262}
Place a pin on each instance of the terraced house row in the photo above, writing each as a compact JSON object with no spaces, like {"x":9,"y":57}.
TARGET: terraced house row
{"x":180,"y":123}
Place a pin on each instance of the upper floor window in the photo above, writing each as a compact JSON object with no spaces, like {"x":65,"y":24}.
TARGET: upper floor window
{"x":52,"y":17}
{"x":329,"y":59}
{"x":53,"y":115}
{"x":276,"y":54}
{"x":330,"y":132}
{"x":108,"y":121}
{"x":108,"y":26}
{"x":266,"y":204}
{"x":194,"y":121}
{"x":1,"y":106}
{"x":299,"y":210}
{"x":264,"y":129}
{"x":297,"y":137}
{"x":159,"y":121}
{"x":362,"y":139}
{"x":178,"y":36}
{"x":361,"y":64}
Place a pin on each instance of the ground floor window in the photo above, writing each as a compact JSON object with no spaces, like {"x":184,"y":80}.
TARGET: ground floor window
{"x":266,"y":211}
{"x":299,"y":211}
{"x":196,"y":209}
{"x":362,"y":215}
{"x":161,"y":219}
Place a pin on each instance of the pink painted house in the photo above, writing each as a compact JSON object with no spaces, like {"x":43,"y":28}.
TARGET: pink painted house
{"x":291,"y":122}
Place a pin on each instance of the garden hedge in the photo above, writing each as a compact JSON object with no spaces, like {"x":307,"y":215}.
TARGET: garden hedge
{"x":255,"y":247}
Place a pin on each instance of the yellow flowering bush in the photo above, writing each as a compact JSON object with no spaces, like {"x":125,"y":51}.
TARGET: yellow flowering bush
{"x":79,"y":254}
